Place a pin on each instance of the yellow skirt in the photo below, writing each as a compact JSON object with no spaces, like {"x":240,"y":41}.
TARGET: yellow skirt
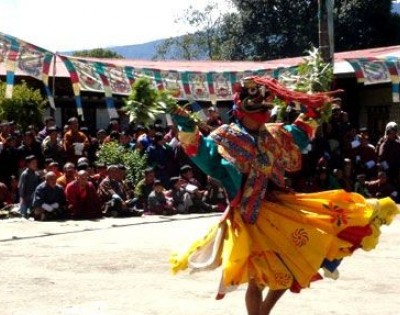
{"x":292,"y":239}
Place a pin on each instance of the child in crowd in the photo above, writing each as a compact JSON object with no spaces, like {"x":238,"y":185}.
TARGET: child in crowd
{"x":157,"y":202}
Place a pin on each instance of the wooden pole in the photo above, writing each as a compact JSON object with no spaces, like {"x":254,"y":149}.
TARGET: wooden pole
{"x":325,"y":26}
{"x":53,"y":83}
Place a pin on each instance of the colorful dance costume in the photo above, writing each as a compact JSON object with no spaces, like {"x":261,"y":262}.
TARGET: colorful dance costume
{"x":281,"y":244}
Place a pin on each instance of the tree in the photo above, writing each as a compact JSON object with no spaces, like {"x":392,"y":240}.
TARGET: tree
{"x":279,"y":28}
{"x":204,"y":42}
{"x":273,"y":29}
{"x":26,"y":106}
{"x":365,"y":24}
{"x":97,"y":53}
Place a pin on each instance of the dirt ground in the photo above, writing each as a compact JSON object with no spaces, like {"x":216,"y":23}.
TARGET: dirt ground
{"x":120,"y":267}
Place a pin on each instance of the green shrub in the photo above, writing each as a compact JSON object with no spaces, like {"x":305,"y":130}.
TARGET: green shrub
{"x":114,"y":153}
{"x":26,"y":106}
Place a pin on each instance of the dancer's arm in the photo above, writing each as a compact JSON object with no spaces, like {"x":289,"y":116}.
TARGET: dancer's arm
{"x":204,"y":153}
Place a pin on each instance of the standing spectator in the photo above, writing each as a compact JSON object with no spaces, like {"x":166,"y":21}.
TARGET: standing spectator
{"x":8,"y":160}
{"x":158,"y":155}
{"x":82,"y":199}
{"x":213,"y":121}
{"x":388,"y":149}
{"x":49,"y":200}
{"x":366,"y":157}
{"x":125,"y":140}
{"x":92,"y":147}
{"x":75,"y":142}
{"x":5,"y":131}
{"x":339,"y":120}
{"x":49,"y":122}
{"x":113,"y":126}
{"x":138,"y":131}
{"x":145,"y":137}
{"x":52,"y":146}
{"x":30,"y":146}
{"x":28,"y":182}
{"x":101,"y":136}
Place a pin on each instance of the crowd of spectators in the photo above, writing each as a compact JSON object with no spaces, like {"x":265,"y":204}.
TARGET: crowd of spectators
{"x":54,"y":173}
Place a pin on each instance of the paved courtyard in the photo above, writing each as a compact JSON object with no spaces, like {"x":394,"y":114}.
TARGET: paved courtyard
{"x":120,"y":267}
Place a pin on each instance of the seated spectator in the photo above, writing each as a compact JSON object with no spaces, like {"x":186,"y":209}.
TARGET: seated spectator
{"x":49,"y":200}
{"x":114,"y":198}
{"x":82,"y":165}
{"x":4,"y":195}
{"x":179,"y":197}
{"x":28,"y":182}
{"x":55,"y":168}
{"x":68,"y":176}
{"x":322,"y":180}
{"x":100,"y":173}
{"x":157,"y":203}
{"x":360,"y":186}
{"x":127,"y":184}
{"x":144,"y":188}
{"x":215,"y":194}
{"x":187,"y":175}
{"x":381,"y":187}
{"x":82,"y":198}
{"x":197,"y":197}
{"x":14,"y":191}
{"x":192,"y":186}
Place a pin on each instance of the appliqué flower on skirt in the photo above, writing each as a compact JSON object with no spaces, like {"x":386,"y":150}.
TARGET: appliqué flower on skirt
{"x":338,"y":214}
{"x":300,"y":237}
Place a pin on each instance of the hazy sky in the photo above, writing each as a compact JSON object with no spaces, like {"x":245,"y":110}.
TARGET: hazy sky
{"x":63,"y":25}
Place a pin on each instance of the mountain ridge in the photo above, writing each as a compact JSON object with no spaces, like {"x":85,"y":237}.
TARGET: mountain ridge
{"x":145,"y":51}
